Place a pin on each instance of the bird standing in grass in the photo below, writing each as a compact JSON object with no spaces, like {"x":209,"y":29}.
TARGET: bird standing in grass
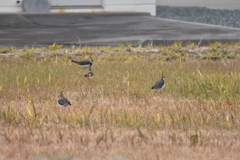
{"x":62,"y":101}
{"x":160,"y":83}
{"x":89,"y":73}
{"x":84,"y":64}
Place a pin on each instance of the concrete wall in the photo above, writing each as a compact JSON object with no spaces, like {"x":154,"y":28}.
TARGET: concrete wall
{"x":215,"y":4}
{"x":75,"y":2}
{"x":108,"y":6}
{"x":10,"y":6}
{"x":135,"y":5}
{"x":130,"y":6}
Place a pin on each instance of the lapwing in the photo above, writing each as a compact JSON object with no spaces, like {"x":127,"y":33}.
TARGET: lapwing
{"x":62,"y":101}
{"x":84,"y":64}
{"x":160,"y":83}
{"x":89,"y":73}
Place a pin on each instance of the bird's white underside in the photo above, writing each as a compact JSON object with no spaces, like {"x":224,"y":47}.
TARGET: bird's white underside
{"x":83,"y":66}
{"x":163,"y":86}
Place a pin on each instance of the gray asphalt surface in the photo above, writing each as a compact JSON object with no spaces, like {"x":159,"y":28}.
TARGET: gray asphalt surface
{"x":105,"y":29}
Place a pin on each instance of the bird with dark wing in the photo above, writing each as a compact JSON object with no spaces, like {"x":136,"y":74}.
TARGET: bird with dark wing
{"x":160,"y":83}
{"x":84,"y":64}
{"x":62,"y":101}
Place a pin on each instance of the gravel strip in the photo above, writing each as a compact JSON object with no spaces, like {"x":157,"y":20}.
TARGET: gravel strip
{"x":230,"y":18}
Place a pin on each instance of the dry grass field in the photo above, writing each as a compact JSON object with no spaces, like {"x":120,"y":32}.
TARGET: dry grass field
{"x":116,"y":115}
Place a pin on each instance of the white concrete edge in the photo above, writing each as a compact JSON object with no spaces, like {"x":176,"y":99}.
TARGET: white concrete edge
{"x":195,"y":23}
{"x":75,"y":10}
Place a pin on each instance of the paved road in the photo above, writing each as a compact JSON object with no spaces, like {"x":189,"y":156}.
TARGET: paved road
{"x":104,"y":29}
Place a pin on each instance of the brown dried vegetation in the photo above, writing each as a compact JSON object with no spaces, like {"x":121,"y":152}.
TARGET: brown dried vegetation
{"x":116,"y":114}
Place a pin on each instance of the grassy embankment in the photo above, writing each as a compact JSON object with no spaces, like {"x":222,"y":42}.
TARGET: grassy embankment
{"x":116,"y":114}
